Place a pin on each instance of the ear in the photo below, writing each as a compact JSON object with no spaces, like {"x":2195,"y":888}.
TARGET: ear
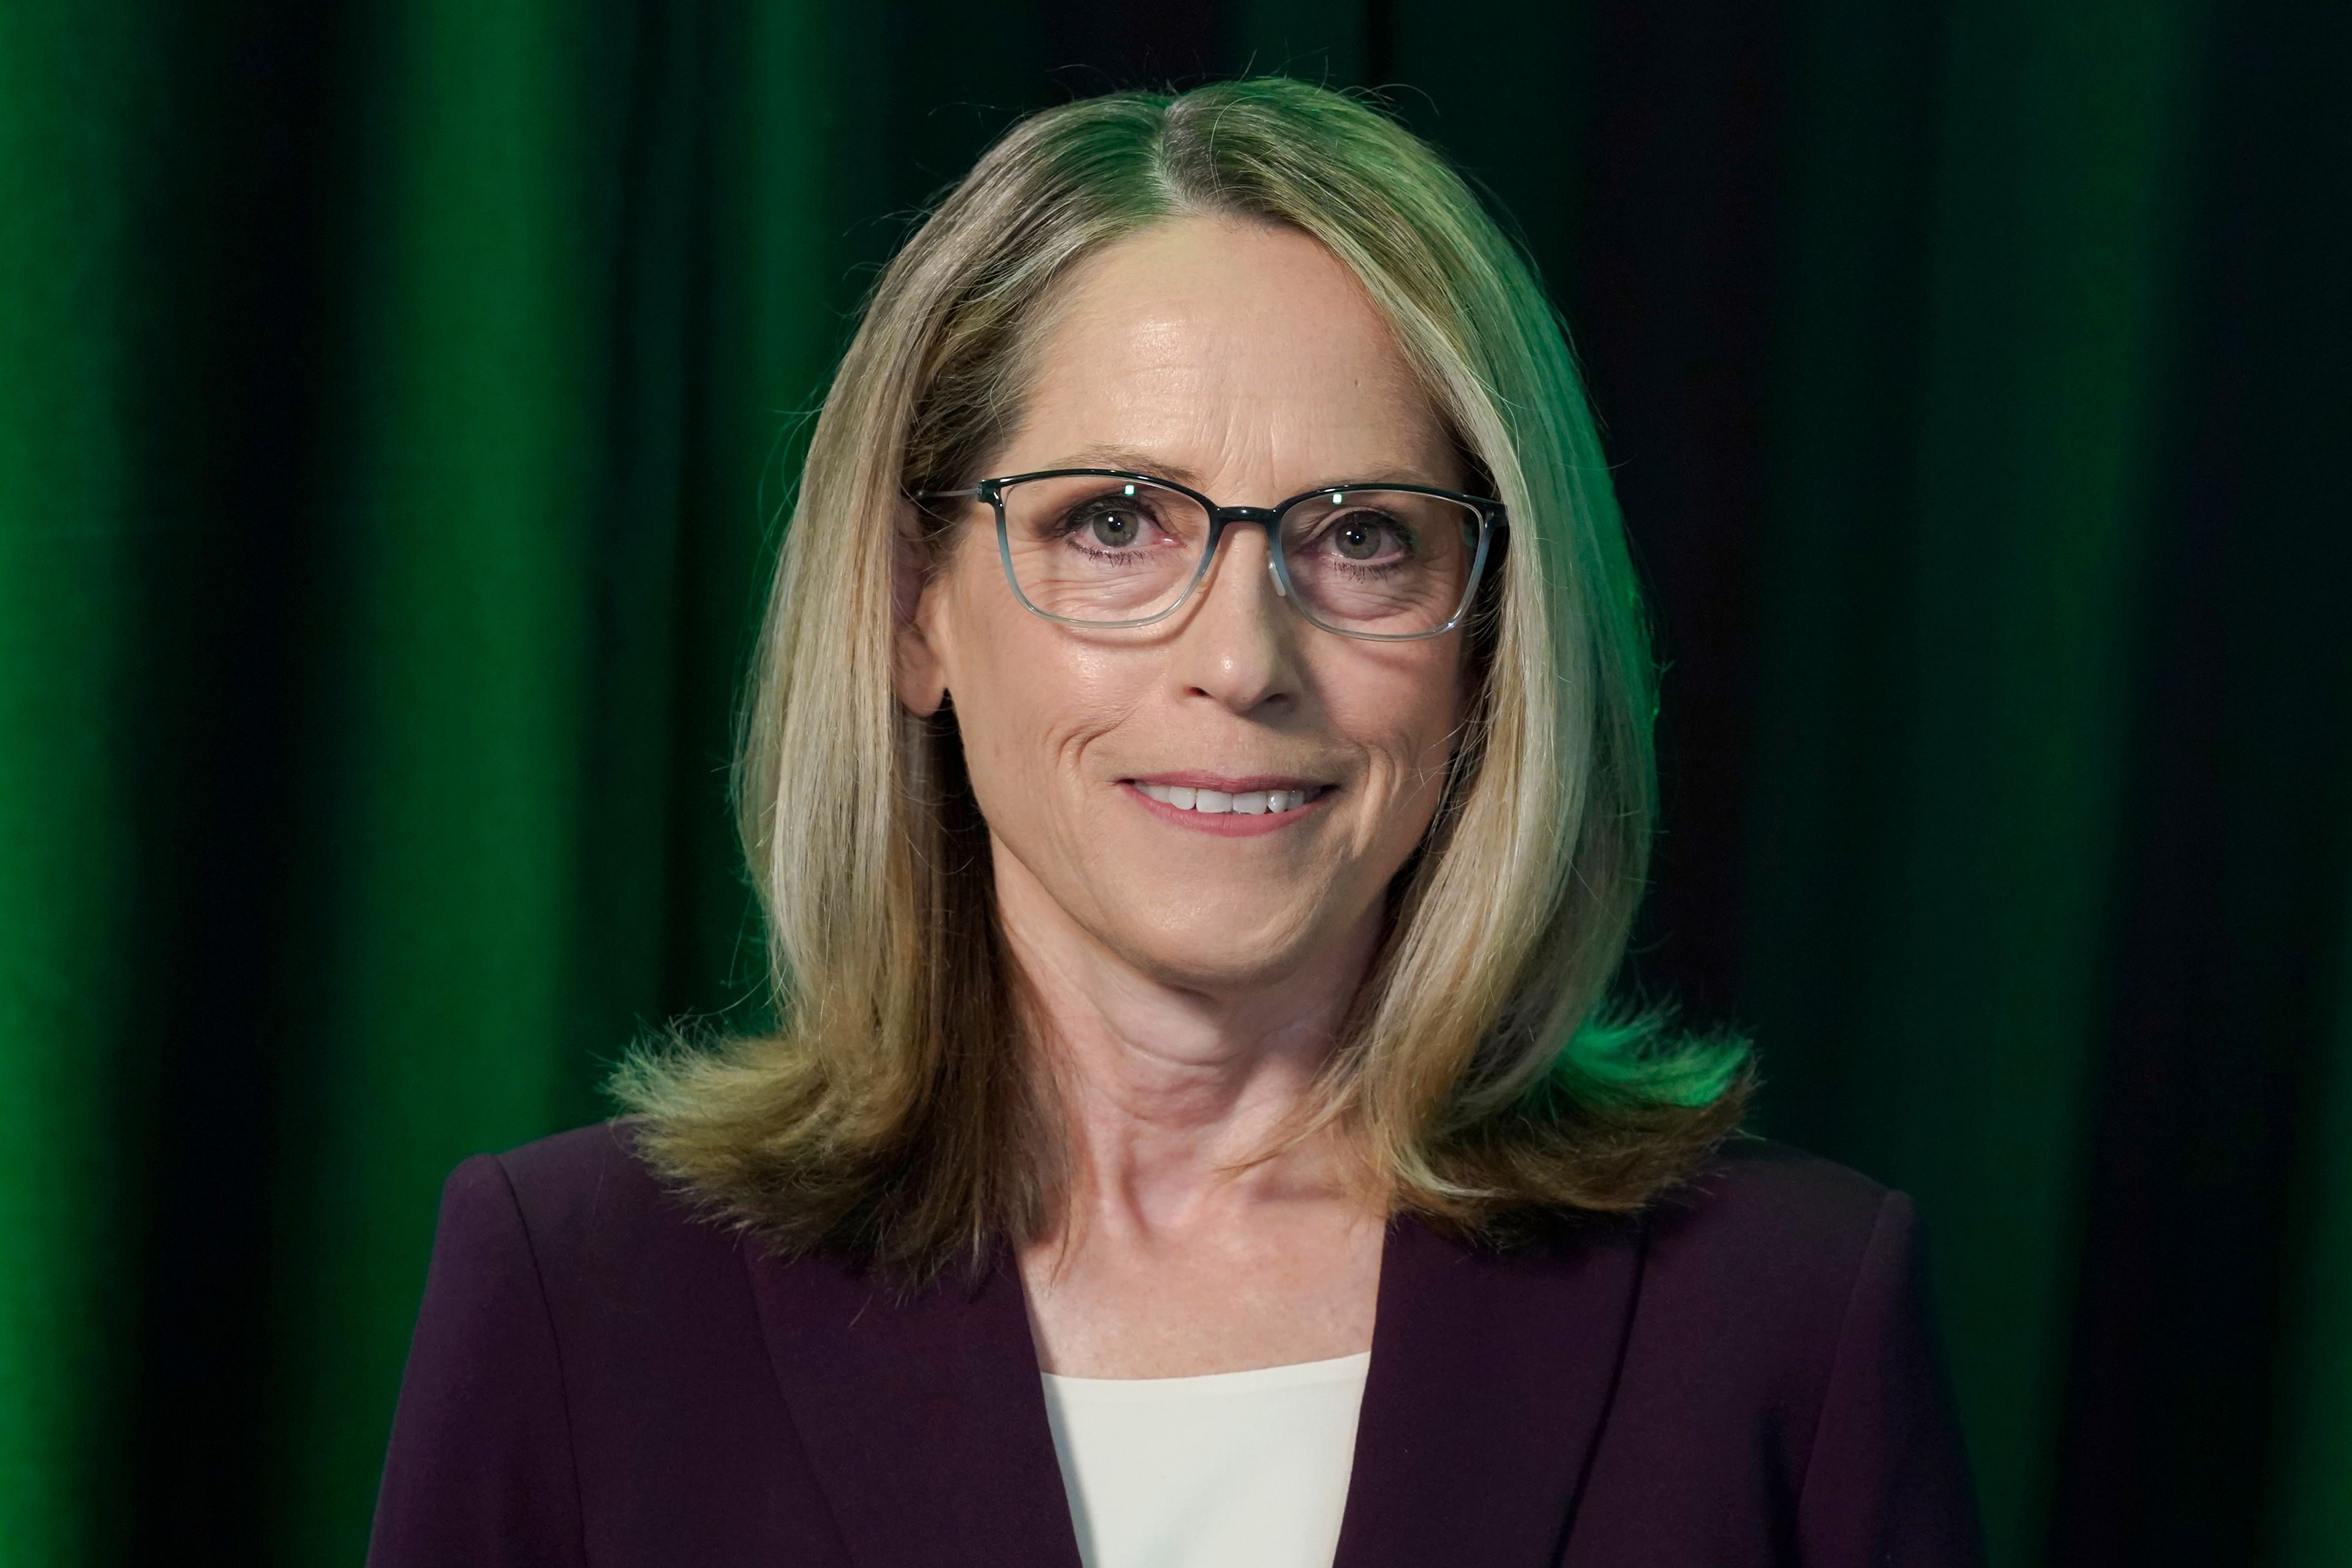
{"x":917,"y":673}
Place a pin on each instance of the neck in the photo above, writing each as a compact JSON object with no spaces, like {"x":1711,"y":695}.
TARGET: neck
{"x":1164,"y":1083}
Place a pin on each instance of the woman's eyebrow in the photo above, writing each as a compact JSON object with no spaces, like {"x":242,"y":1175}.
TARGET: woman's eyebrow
{"x":1134,"y":459}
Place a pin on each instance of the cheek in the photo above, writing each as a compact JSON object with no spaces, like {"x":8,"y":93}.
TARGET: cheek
{"x":1028,"y":699}
{"x":1403,"y":712}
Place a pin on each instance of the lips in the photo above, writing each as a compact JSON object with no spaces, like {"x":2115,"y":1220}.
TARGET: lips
{"x":1225,"y":803}
{"x":1220,"y":802}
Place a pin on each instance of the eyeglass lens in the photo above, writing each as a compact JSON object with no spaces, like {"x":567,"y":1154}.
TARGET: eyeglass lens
{"x":1101,"y":550}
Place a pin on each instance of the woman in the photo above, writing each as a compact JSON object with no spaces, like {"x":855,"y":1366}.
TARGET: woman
{"x":1199,"y":779}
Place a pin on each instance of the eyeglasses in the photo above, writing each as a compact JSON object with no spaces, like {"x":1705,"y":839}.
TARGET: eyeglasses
{"x":1103,"y":548}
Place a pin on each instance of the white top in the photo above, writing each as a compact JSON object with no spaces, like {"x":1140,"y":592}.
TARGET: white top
{"x":1235,"y":1469}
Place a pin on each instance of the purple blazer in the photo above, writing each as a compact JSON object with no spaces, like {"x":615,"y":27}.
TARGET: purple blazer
{"x":1748,"y":1374}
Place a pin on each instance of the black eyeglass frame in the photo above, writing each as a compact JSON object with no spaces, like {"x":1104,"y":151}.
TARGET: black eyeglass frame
{"x":1493,"y":520}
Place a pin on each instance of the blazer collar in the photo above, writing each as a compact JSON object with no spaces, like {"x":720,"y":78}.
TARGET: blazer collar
{"x":924,"y":1417}
{"x":1491,"y":1376}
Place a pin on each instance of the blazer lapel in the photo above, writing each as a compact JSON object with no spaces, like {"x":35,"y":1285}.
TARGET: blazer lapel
{"x":1490,"y":1378}
{"x":923,"y":1419}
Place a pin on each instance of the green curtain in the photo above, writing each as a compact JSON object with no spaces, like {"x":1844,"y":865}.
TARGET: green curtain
{"x":397,"y":406}
{"x":1967,"y":830}
{"x":68,"y":524}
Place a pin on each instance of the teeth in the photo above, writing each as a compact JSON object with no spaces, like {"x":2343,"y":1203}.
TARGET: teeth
{"x":1250,"y":803}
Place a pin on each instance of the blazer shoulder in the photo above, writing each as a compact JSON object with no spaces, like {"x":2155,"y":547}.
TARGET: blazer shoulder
{"x":589,"y":1380}
{"x":584,"y":1163}
{"x":593,"y":1208}
{"x":1766,"y":1178}
{"x":1761,"y":1205}
{"x":1783,"y":1348}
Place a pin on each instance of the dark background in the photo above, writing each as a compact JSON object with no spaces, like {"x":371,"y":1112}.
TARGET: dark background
{"x":395,"y":402}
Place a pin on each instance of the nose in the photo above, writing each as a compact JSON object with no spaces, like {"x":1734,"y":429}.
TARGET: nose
{"x":1240,"y":645}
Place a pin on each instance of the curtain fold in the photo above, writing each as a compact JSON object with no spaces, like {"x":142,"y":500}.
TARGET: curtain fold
{"x":2314,"y":1521}
{"x":1987,"y":639}
{"x":76,"y":513}
{"x":451,"y":746}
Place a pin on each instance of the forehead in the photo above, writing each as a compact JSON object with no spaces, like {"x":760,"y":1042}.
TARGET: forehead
{"x":1230,"y":345}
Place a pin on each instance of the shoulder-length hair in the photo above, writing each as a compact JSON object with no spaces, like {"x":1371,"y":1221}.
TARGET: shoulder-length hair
{"x":1485,"y":1076}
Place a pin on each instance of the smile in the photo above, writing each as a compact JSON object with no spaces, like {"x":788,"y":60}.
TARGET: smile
{"x":1228,"y":807}
{"x":1239,"y":803}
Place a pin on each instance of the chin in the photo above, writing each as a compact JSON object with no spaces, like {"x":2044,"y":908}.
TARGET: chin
{"x":1227,"y":972}
{"x":1221,"y":944}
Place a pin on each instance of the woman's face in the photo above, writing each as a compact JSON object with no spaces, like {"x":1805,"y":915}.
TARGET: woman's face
{"x":1243,"y":359}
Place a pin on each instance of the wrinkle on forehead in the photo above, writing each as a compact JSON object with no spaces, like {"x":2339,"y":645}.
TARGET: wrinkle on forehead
{"x":1277,"y":370}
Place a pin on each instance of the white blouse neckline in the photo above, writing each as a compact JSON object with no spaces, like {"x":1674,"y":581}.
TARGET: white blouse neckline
{"x":1250,"y":1379}
{"x":1209,"y":1470}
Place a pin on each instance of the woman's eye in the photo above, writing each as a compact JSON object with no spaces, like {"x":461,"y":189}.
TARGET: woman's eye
{"x":1362,"y":538}
{"x":1113,"y":530}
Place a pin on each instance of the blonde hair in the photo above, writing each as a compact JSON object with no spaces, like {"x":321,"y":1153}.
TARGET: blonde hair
{"x":1484,"y":1073}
